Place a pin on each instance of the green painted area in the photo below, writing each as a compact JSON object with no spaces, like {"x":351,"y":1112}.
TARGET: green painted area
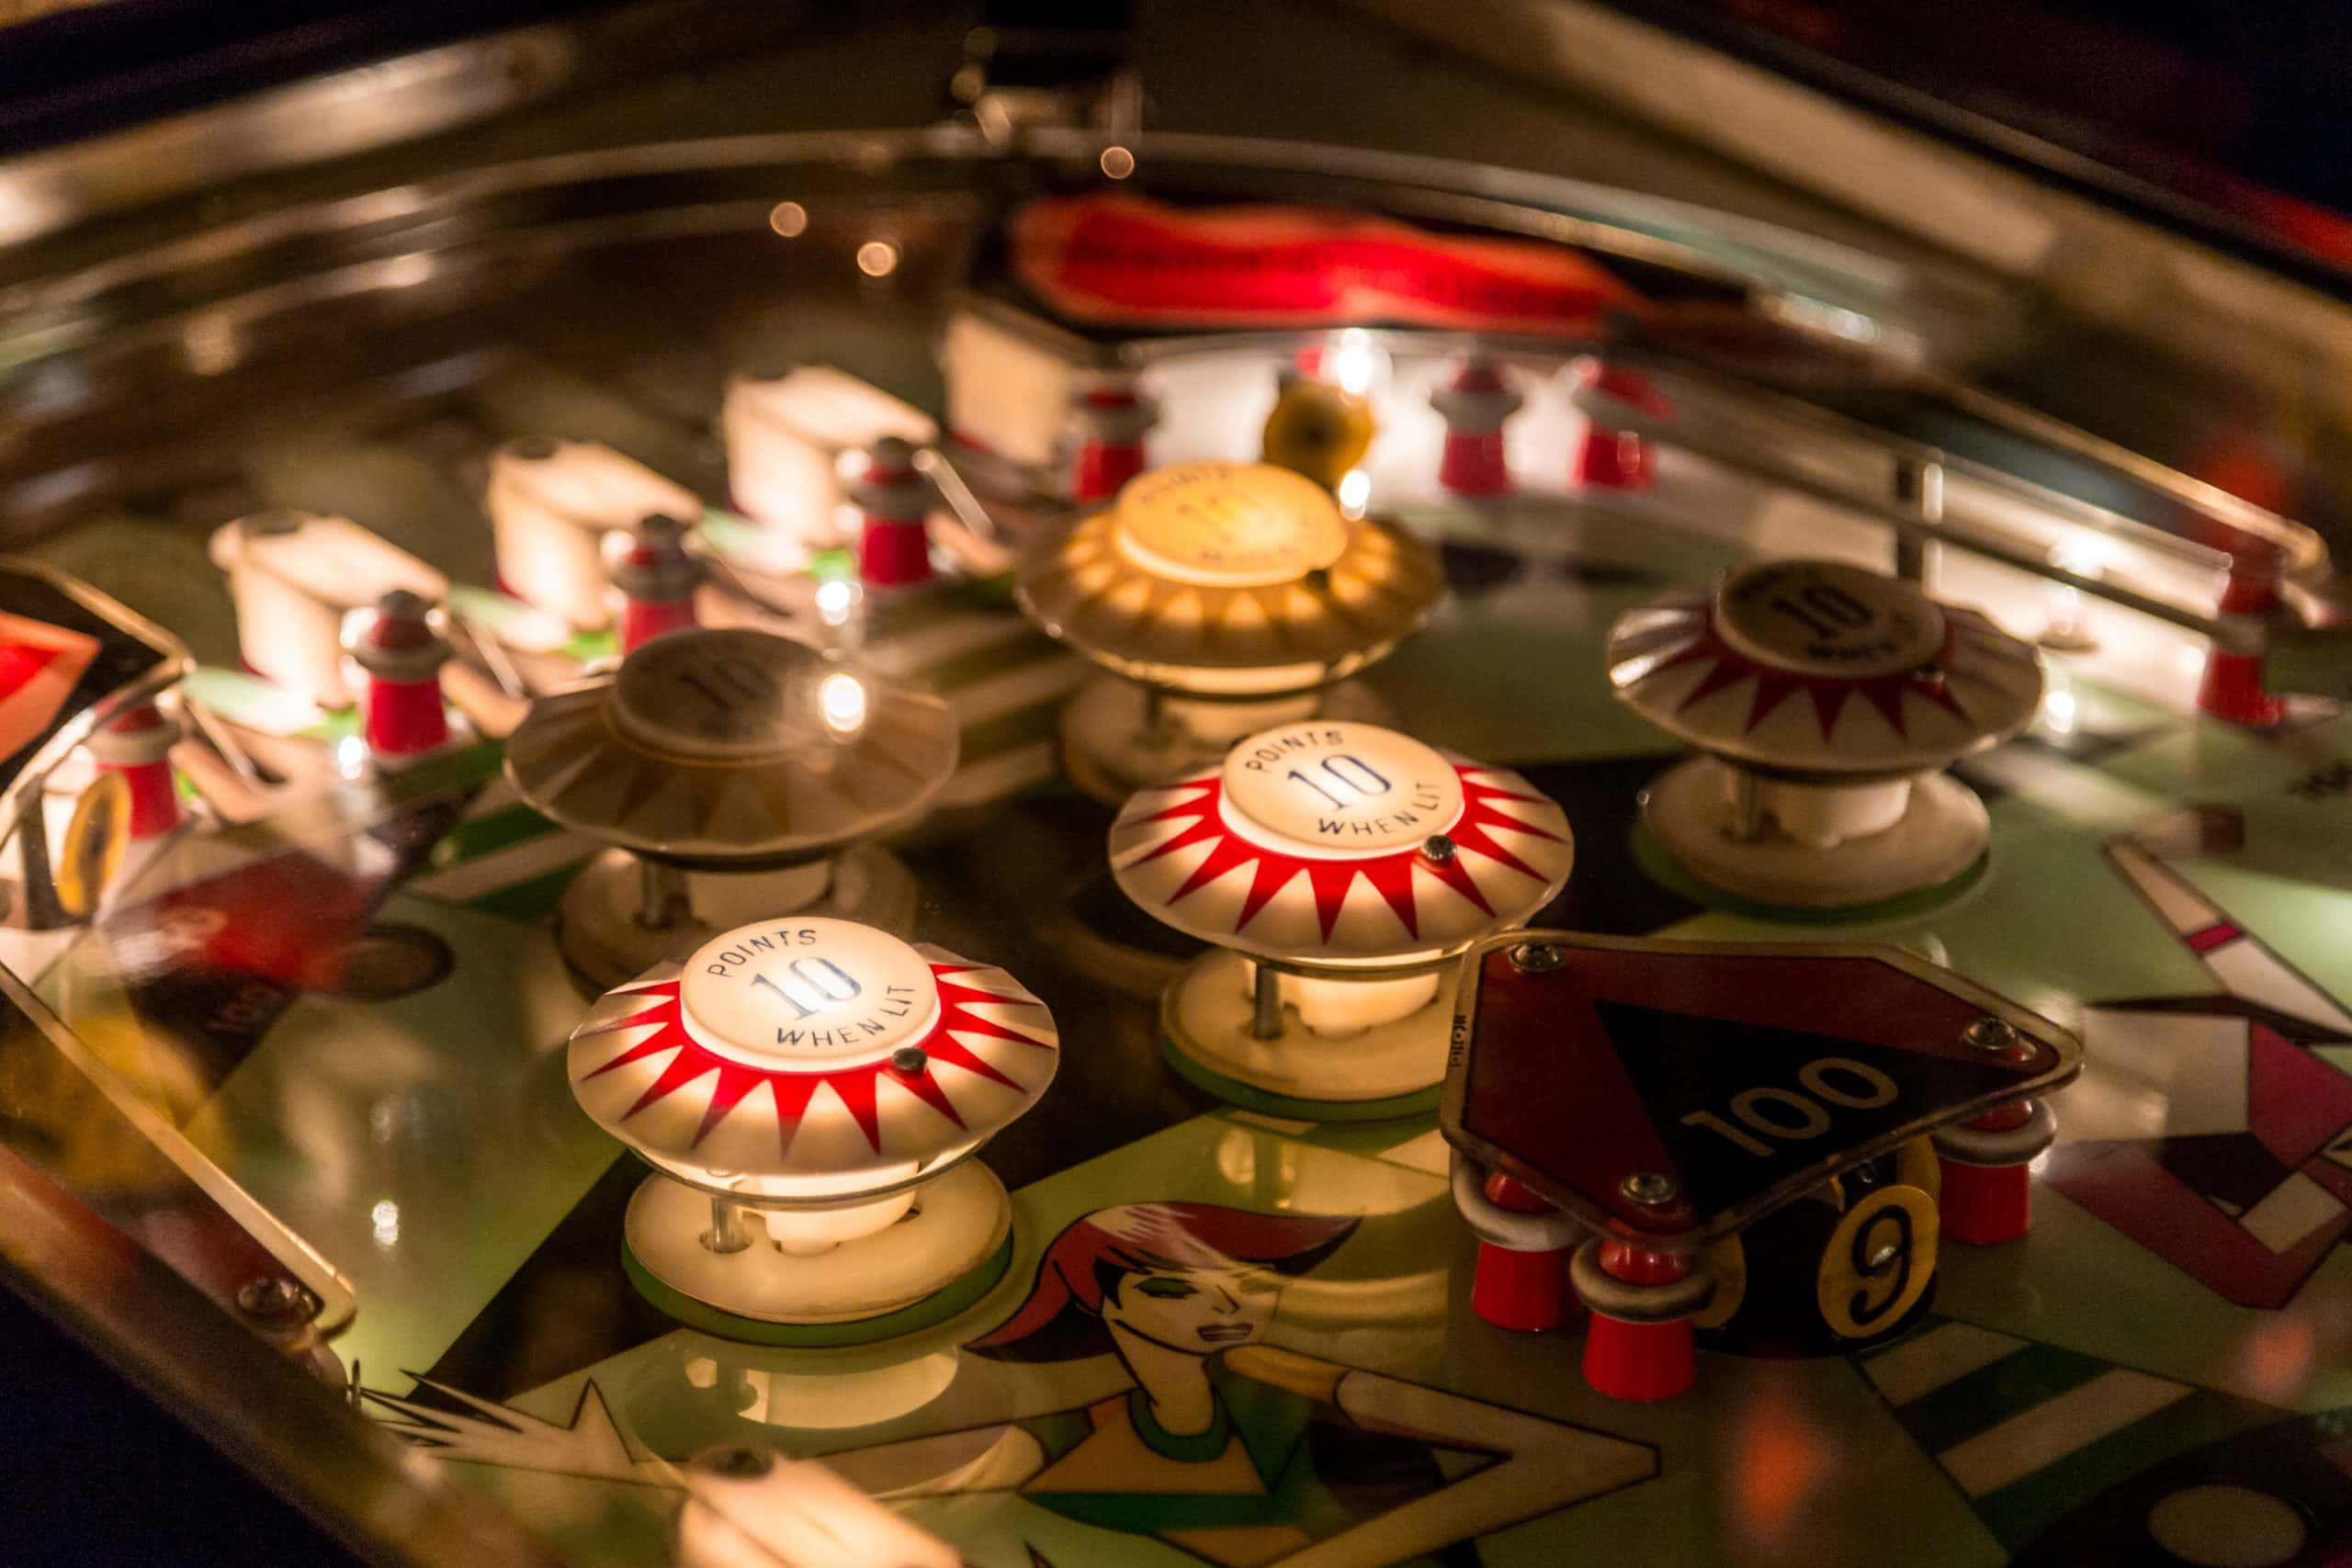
{"x":995,"y":659}
{"x":464,"y":768}
{"x":1967,"y":1405}
{"x":2023,"y":1509}
{"x":479,"y":836}
{"x":590,"y":648}
{"x":424,"y":1145}
{"x":1021,"y":727}
{"x":532,"y":902}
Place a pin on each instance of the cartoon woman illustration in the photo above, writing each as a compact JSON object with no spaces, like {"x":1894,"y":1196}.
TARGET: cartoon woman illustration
{"x":1237,"y":1453}
{"x":1221,"y":1450}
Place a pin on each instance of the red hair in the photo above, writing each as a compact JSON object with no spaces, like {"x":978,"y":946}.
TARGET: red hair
{"x":1139,"y":1237}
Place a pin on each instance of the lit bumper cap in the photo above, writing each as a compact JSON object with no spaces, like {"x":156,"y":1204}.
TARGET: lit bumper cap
{"x":1341,"y":843}
{"x":1201,"y":572}
{"x":811,"y":1051}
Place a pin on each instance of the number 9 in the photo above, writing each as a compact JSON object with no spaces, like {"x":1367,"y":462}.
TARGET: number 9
{"x":1879,"y":1262}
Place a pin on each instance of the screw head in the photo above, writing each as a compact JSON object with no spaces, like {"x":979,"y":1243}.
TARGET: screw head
{"x":1439,"y":848}
{"x":272,"y":1296}
{"x":1535,"y":958}
{"x":1650,"y":1186}
{"x":739,"y":1463}
{"x":1990,"y":1033}
{"x":908,"y":1059}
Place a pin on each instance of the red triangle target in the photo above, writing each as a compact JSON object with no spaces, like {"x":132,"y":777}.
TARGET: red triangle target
{"x":1746,"y":1074}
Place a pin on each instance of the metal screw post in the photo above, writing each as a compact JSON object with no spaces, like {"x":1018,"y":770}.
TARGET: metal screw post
{"x":1266,"y":1006}
{"x":726,"y":1226}
{"x":1746,"y":806}
{"x":662,"y":900}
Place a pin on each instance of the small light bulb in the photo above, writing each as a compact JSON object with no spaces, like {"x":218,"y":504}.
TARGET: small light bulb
{"x":877,"y":258}
{"x":1351,"y":363}
{"x":841,"y":699}
{"x":836,"y":599}
{"x":788,"y":218}
{"x":2058,"y":712}
{"x":1355,"y":491}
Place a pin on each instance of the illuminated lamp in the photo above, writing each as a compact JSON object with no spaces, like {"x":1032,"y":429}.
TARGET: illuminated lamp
{"x":1221,"y":598}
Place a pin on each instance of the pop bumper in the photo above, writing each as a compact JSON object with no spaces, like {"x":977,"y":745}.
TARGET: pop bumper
{"x":1220,"y":597}
{"x":1337,"y":867}
{"x":810,"y":1093}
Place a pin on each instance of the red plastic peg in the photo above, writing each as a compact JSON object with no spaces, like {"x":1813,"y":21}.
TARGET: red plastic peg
{"x":1607,"y":459}
{"x":1526,"y":1290}
{"x":894,"y":544}
{"x":1476,"y":404}
{"x":1640,"y":1362}
{"x":1987,"y":1204}
{"x":2232,"y":688}
{"x":136,"y":746}
{"x":1112,"y":418}
{"x":403,"y":714}
{"x":657,"y":576}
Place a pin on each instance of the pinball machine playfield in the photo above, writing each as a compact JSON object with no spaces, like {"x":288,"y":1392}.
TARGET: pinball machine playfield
{"x":1193,"y":862}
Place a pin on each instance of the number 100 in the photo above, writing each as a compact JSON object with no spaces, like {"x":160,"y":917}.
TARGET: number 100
{"x":1787,"y":1116}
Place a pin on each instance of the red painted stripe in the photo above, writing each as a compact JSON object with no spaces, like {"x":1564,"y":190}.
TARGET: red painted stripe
{"x":2219,"y":934}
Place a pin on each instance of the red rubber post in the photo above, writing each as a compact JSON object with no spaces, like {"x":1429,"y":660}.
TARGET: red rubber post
{"x":1603,"y":458}
{"x":1640,"y":1362}
{"x":402,"y":710}
{"x":1527,"y":1291}
{"x":1986,"y":1204}
{"x":2232,"y":687}
{"x":893,"y":554}
{"x":136,"y":747}
{"x":1474,"y":403}
{"x":657,"y":576}
{"x":1472,"y":463}
{"x":643,"y":620}
{"x":894,"y":542}
{"x":405,"y":718}
{"x":1112,"y":418}
{"x":1609,"y":459}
